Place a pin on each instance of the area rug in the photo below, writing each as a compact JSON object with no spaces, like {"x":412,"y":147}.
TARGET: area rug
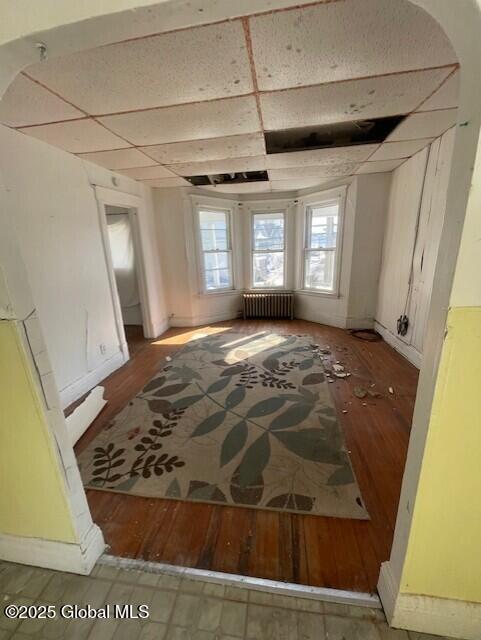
{"x":234,"y":419}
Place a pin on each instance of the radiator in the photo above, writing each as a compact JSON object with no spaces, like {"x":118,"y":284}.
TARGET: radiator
{"x":269,"y":305}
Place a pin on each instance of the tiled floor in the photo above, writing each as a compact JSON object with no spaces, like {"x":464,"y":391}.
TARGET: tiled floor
{"x":180,"y":609}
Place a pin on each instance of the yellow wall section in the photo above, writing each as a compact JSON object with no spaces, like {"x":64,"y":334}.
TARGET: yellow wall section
{"x":444,"y":551}
{"x":32,"y":498}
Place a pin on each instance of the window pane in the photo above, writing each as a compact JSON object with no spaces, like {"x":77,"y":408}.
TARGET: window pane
{"x":217,"y":279}
{"x":268,"y":270}
{"x":319,"y":270}
{"x":216,"y":261}
{"x":323,"y":231}
{"x":214,"y":230}
{"x":268,"y":231}
{"x":217,"y":271}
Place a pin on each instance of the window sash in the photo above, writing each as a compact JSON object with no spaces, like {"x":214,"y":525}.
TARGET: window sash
{"x":263,"y":251}
{"x":266,"y":215}
{"x":227,"y":251}
{"x":309,"y":250}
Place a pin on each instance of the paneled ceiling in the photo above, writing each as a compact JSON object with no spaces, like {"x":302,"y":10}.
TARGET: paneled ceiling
{"x":198,"y":100}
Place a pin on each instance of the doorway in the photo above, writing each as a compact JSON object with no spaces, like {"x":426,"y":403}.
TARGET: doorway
{"x":124,"y":263}
{"x":124,"y":250}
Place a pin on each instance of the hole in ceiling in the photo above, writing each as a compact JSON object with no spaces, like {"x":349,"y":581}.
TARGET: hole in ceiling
{"x":340,"y":134}
{"x":228,"y":178}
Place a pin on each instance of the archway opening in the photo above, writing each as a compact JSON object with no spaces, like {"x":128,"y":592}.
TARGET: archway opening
{"x":258,"y":94}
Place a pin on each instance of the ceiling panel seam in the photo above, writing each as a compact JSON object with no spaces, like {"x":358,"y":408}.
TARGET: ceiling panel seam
{"x":436,"y":90}
{"x":221,"y":21}
{"x":257,"y":92}
{"x":250,"y":55}
{"x":57,"y":95}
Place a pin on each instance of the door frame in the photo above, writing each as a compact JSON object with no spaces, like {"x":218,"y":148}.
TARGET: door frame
{"x":111,"y":197}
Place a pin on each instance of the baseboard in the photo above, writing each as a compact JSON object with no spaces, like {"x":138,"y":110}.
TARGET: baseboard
{"x":330,"y":320}
{"x":406,"y":350}
{"x":78,"y":388}
{"x":320,"y":318}
{"x":427,"y":614}
{"x":195,"y":321}
{"x":53,"y":554}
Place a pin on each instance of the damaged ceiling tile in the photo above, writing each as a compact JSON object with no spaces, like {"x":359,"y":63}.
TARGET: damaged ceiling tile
{"x":232,"y":165}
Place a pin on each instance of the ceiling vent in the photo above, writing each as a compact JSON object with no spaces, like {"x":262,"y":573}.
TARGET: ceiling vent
{"x":228,"y":178}
{"x":330,"y":136}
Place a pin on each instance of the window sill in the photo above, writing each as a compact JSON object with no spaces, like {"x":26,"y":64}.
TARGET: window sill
{"x":220,"y":292}
{"x":269,"y":290}
{"x":319,"y":294}
{"x":238,"y":292}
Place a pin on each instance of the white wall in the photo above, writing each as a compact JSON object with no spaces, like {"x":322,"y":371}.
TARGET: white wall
{"x":175,"y":227}
{"x":169,"y":210}
{"x":366,"y":204}
{"x":328,"y":309}
{"x":417,"y":205}
{"x":372,"y":199}
{"x":363,"y":227}
{"x":49,"y":196}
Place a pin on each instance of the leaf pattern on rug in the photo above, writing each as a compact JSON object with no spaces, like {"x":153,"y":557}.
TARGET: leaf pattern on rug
{"x":232,"y":419}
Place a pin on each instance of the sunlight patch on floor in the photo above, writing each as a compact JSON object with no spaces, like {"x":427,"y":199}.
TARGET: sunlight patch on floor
{"x":188,"y":335}
{"x":250,"y":346}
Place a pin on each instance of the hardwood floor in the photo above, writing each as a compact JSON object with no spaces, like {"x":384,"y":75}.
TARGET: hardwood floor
{"x":314,"y":550}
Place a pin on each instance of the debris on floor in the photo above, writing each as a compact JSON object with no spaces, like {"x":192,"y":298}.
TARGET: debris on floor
{"x":360,"y":392}
{"x":391,"y":390}
{"x":337,"y":371}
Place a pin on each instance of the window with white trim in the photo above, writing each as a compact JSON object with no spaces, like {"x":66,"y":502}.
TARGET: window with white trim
{"x":321,"y":246}
{"x":216,"y":249}
{"x":268,"y":249}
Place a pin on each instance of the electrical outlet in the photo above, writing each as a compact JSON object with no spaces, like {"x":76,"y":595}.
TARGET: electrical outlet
{"x":103,"y":349}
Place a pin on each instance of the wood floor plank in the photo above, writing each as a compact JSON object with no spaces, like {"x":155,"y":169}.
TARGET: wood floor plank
{"x":185,"y":542}
{"x":265,"y":551}
{"x":236,"y":530}
{"x":328,"y":552}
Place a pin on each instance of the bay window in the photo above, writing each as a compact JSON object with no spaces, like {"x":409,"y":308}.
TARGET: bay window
{"x":268,"y":249}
